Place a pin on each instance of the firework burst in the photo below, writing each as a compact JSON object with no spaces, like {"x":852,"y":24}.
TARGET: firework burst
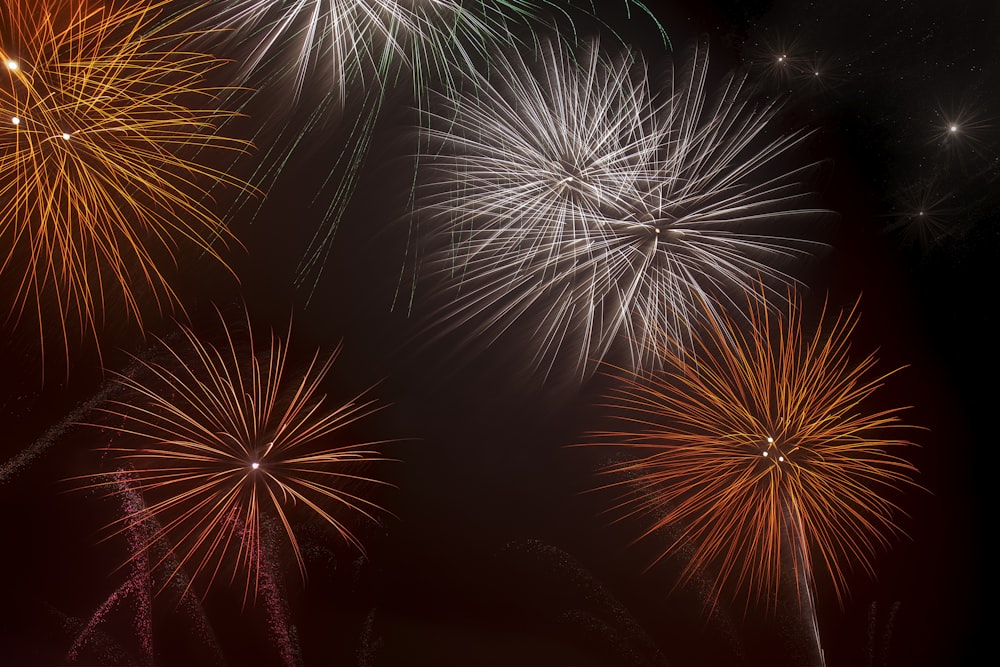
{"x":338,"y":55}
{"x":222,"y":439}
{"x":926,"y":216}
{"x":572,"y":193}
{"x":347,"y":41}
{"x":759,"y":456}
{"x":106,"y":125}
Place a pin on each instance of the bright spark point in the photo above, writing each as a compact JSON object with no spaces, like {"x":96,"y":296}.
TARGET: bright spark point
{"x":781,"y":59}
{"x":770,"y":440}
{"x":254,"y":465}
{"x":781,"y":458}
{"x":12,"y":65}
{"x":15,"y":120}
{"x":953,"y":129}
{"x":764,"y":454}
{"x":65,"y":135}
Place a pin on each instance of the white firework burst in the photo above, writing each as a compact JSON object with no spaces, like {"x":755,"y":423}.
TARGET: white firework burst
{"x":570,"y":193}
{"x":328,"y":57}
{"x":348,"y":41}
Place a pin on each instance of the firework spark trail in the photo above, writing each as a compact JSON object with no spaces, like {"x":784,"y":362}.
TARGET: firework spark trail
{"x":798,"y":546}
{"x":224,"y":440}
{"x":141,"y":583}
{"x":106,"y":118}
{"x":346,"y":172}
{"x":878,"y":656}
{"x":762,"y":424}
{"x":370,"y":644}
{"x":586,"y":605}
{"x":276,"y":602}
{"x":18,"y":463}
{"x":569,"y":193}
{"x":138,"y":585}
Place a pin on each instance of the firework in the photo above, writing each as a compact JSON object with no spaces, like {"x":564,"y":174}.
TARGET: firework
{"x":222,"y":439}
{"x":760,"y":456}
{"x":925,"y":216}
{"x":342,"y":56}
{"x":348,"y":41}
{"x":339,"y":55}
{"x":337,"y":43}
{"x":573,"y":194}
{"x":107,"y":126}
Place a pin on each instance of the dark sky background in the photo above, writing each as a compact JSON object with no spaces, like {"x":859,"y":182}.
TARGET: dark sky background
{"x":496,"y":555}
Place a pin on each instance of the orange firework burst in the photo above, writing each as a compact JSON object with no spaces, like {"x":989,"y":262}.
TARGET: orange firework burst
{"x":756,"y":456}
{"x":105,"y":125}
{"x":223,"y":440}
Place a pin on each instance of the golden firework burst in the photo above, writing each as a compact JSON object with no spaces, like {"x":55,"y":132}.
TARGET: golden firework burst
{"x":758,"y":453}
{"x":220,"y":438}
{"x":107,"y":128}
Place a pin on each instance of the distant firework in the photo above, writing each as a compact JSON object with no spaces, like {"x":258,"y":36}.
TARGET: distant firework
{"x":760,"y":455}
{"x":219,"y":439}
{"x":106,"y":127}
{"x":569,"y":195}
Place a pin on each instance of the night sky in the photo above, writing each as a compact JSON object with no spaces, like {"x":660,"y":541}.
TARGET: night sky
{"x":493,"y":549}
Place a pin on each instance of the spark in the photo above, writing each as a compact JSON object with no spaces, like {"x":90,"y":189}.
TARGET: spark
{"x":776,"y":58}
{"x":965,"y":130}
{"x":925,"y":215}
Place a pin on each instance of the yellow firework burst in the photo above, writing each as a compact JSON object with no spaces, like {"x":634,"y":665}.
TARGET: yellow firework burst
{"x":221,"y":438}
{"x":757,"y":455}
{"x":107,"y":126}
